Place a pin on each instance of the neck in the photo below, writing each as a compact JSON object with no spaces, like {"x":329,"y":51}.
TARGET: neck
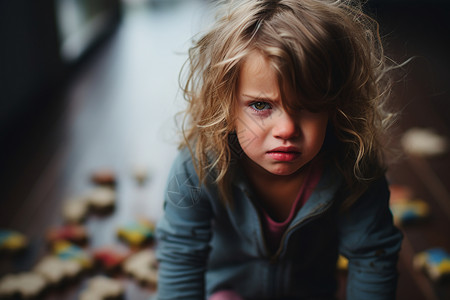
{"x":275,"y":193}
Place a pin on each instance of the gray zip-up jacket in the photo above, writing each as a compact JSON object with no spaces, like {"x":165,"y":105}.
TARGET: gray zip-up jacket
{"x":205,"y":246}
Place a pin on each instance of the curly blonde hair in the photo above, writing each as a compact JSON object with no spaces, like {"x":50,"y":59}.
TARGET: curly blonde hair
{"x":327,"y":52}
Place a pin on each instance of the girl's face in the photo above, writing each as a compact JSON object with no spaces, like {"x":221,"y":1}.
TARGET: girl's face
{"x":272,"y":139}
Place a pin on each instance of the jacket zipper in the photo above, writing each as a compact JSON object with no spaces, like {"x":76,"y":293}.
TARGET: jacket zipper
{"x":261,"y":230}
{"x":274,"y":258}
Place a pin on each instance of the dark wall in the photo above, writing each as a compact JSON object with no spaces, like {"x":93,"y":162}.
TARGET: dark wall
{"x":420,"y":31}
{"x":29,"y":55}
{"x":416,"y":28}
{"x":31,"y":67}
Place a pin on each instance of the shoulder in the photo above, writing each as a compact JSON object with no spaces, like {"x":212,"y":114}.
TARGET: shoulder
{"x":183,"y":162}
{"x":376,"y":193}
{"x":184,"y":188}
{"x":183,"y":184}
{"x":369,"y":220}
{"x":372,"y":204}
{"x":185,"y":169}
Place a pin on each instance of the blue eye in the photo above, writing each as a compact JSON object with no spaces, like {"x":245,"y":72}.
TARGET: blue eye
{"x":260,"y":106}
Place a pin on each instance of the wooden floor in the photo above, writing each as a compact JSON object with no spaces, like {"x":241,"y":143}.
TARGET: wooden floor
{"x":117,"y":112}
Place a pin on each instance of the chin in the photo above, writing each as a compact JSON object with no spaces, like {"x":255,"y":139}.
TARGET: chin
{"x":283,"y":171}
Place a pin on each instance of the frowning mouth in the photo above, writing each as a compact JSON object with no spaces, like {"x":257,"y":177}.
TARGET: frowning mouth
{"x":285,"y":149}
{"x":285,"y":154}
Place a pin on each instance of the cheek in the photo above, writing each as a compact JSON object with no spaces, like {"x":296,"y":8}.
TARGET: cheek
{"x":244,"y":135}
{"x":248,"y":127}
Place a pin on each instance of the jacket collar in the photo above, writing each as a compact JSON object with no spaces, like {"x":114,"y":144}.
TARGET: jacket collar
{"x":245,"y":213}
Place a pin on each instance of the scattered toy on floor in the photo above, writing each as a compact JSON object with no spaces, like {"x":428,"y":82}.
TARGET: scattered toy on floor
{"x":410,"y":211}
{"x":137,"y":233}
{"x":140,"y":173}
{"x":25,"y":285}
{"x":101,"y":287}
{"x":104,"y":176}
{"x":75,"y":210}
{"x":73,"y":233}
{"x":434,"y":262}
{"x":68,"y":251}
{"x":399,"y":192}
{"x":424,"y":142}
{"x":342,"y":263}
{"x":12,"y":241}
{"x":142,"y":266}
{"x":57,"y":271}
{"x":110,"y":259}
{"x":102,"y":199}
{"x":405,"y":208}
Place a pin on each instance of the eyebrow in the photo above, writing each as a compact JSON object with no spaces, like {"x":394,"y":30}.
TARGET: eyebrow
{"x":260,"y":98}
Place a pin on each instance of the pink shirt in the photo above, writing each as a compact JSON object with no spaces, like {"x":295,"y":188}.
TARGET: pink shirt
{"x":274,"y":230}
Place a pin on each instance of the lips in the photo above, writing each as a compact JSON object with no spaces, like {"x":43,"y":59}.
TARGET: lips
{"x":284,"y":154}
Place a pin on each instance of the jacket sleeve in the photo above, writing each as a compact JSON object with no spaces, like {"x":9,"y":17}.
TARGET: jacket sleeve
{"x":183,"y":236}
{"x":371,"y":243}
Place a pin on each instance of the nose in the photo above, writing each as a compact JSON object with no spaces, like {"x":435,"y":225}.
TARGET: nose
{"x":285,"y":127}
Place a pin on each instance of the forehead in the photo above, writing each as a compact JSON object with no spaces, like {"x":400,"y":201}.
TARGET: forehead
{"x":257,"y":77}
{"x":255,"y":62}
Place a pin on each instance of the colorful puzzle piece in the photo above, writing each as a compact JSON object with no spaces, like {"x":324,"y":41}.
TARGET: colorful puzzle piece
{"x":102,"y":199}
{"x":399,"y":193}
{"x":137,"y":233}
{"x":342,"y":263}
{"x":25,"y":285}
{"x":143,"y":267}
{"x":68,"y":251}
{"x":105,"y":176}
{"x":435,"y":262}
{"x":72,"y":233}
{"x":102,"y":287}
{"x":12,"y":241}
{"x":75,"y":210}
{"x":409,"y":211}
{"x":424,"y":142}
{"x":56,"y":270}
{"x":109,"y":258}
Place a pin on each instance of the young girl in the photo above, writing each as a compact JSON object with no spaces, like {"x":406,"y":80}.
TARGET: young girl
{"x":281,"y":168}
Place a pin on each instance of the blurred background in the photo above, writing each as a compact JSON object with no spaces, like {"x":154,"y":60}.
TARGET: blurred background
{"x":92,"y":85}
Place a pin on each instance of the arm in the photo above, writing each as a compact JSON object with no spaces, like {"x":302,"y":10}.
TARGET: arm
{"x":371,"y":243}
{"x":183,"y":236}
